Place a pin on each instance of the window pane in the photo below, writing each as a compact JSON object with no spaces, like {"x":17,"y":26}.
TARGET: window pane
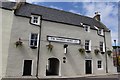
{"x":99,"y":64}
{"x":33,"y":41}
{"x":87,"y":44}
{"x":101,"y":46}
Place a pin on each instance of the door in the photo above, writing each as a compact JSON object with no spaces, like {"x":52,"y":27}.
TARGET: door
{"x":88,"y":66}
{"x":27,"y":67}
{"x":53,"y":67}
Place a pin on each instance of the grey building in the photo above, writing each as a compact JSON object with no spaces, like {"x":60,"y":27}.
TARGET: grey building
{"x":43,"y":42}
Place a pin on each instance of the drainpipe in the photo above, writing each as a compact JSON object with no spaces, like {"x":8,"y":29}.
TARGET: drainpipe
{"x":37,"y":68}
{"x":105,"y":53}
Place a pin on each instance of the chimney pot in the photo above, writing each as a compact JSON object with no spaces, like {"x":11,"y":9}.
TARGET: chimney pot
{"x":97,"y":16}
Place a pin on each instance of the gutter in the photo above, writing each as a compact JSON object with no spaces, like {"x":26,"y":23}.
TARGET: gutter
{"x":105,"y":53}
{"x":37,"y":68}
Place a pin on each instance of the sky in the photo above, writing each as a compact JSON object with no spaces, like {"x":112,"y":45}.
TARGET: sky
{"x":107,"y":8}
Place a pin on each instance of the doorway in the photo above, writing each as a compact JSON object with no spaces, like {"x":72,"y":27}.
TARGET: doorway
{"x":27,"y":67}
{"x":88,"y":66}
{"x":52,"y":68}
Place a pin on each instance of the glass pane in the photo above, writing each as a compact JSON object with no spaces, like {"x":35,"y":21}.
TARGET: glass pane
{"x":99,"y":66}
{"x":34,"y":39}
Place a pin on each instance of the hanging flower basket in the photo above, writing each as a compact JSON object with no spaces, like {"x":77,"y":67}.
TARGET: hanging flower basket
{"x":50,"y":47}
{"x":109,"y":52}
{"x":96,"y":51}
{"x":81,"y":50}
{"x":18,"y":43}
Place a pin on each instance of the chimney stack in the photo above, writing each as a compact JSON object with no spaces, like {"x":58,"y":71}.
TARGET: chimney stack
{"x":20,"y":1}
{"x":18,"y":4}
{"x":97,"y":16}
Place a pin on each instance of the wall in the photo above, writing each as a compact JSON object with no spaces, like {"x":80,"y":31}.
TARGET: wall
{"x":111,"y":67}
{"x":0,"y":44}
{"x":7,"y":18}
{"x":75,"y":62}
{"x":21,"y":28}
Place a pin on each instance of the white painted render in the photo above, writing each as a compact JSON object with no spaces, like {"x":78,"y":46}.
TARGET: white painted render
{"x":15,"y":27}
{"x":0,"y":44}
{"x":6,"y":25}
{"x":75,"y":62}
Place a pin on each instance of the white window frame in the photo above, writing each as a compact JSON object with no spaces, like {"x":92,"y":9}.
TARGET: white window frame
{"x":30,"y":40}
{"x":86,"y":28}
{"x":100,"y":65}
{"x":88,"y":45}
{"x":102,"y":46}
{"x":96,"y":27}
{"x":38,"y":20}
{"x":100,"y":32}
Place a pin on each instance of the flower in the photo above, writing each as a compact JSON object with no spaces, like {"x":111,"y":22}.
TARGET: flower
{"x":18,"y":43}
{"x":49,"y":46}
{"x":81,"y":50}
{"x":96,"y":51}
{"x":109,"y":52}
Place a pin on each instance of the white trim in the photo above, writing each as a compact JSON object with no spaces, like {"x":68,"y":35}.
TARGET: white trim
{"x":100,"y":32}
{"x":101,"y":65}
{"x":38,"y":20}
{"x":38,"y":39}
{"x":65,"y":50}
{"x":30,"y":40}
{"x":96,"y":27}
{"x":88,"y":28}
{"x":81,"y":24}
{"x":90,"y":45}
{"x":103,"y":47}
{"x":60,"y":65}
{"x":22,"y":67}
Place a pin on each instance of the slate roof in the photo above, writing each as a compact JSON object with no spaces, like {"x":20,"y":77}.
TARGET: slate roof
{"x":54,"y":15}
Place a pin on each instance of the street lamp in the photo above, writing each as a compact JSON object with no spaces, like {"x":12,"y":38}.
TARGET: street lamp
{"x":116,"y":55}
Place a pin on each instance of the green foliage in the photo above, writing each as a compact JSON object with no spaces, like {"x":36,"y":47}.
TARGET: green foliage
{"x":81,"y":50}
{"x":96,"y":51}
{"x":18,"y":43}
{"x":50,"y":47}
{"x":109,"y":52}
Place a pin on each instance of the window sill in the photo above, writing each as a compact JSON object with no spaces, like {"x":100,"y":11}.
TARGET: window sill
{"x":100,"y":68}
{"x":88,"y":51}
{"x":102,"y":52}
{"x":26,"y":75}
{"x":33,"y":47}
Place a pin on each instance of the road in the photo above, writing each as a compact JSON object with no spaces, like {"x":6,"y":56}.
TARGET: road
{"x":101,"y":77}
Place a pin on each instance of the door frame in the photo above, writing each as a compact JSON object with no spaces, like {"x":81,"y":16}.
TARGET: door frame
{"x":31,"y":66}
{"x":85,"y":66}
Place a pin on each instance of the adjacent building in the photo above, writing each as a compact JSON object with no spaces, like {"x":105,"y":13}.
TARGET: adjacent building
{"x":42,"y":42}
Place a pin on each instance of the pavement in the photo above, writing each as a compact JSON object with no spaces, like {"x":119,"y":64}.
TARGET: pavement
{"x":100,"y":77}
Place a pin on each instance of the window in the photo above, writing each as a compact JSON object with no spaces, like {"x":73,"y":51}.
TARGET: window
{"x":99,"y":64}
{"x":102,"y":49}
{"x":27,"y":67}
{"x":100,"y":31}
{"x":87,"y":45}
{"x":86,"y":28}
{"x":34,"y":39}
{"x":35,"y":19}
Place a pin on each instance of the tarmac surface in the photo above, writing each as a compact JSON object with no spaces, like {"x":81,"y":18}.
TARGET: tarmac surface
{"x":100,"y":77}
